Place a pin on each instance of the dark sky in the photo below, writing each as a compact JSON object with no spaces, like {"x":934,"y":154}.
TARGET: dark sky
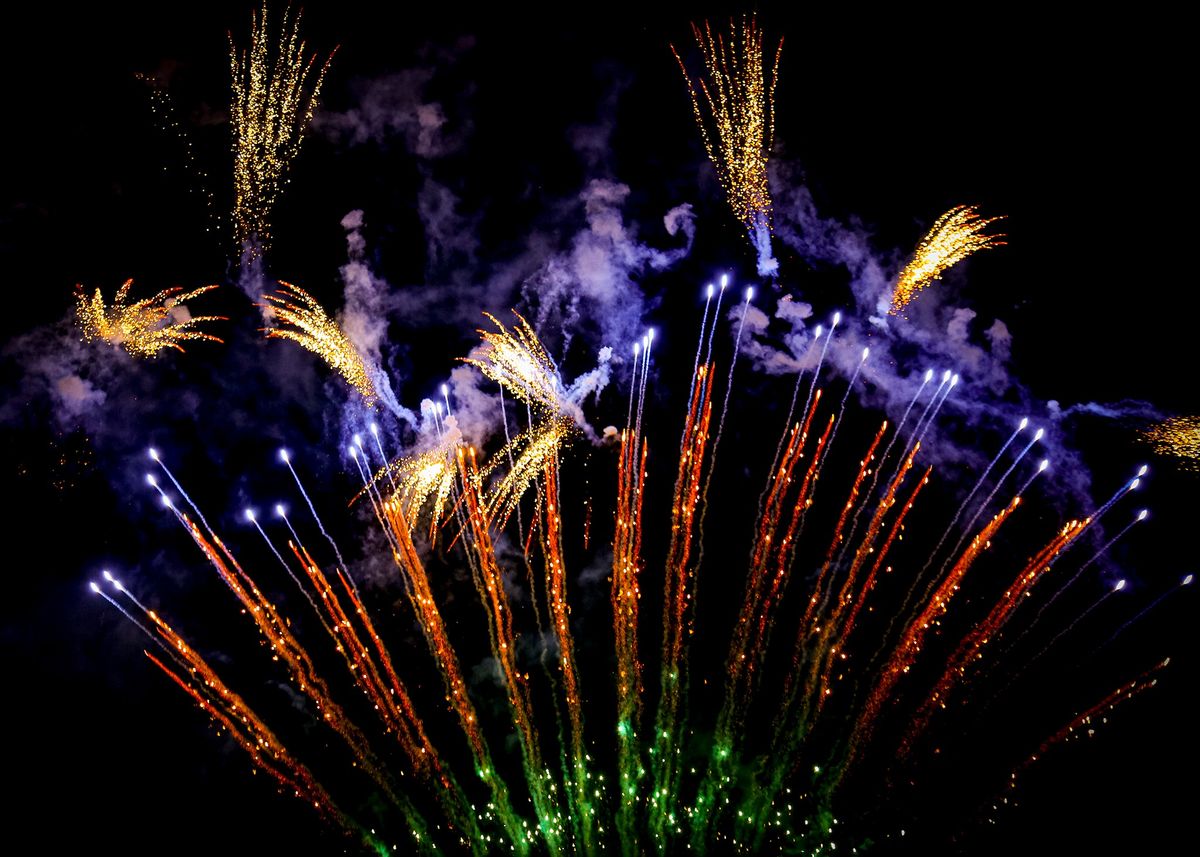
{"x":1071,"y":125}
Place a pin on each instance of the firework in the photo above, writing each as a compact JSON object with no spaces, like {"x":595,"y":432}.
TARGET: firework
{"x":312,"y":327}
{"x":143,"y":328}
{"x":702,"y":777}
{"x":1178,"y":437}
{"x":736,"y":118}
{"x":275,"y":89}
{"x":739,"y":796}
{"x":954,"y":236}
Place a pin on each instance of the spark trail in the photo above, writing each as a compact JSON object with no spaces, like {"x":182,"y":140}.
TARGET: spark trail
{"x":286,"y":458}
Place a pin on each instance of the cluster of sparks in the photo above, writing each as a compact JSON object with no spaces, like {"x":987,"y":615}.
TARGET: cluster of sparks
{"x":311,"y":327}
{"x":1178,"y":437}
{"x":275,"y":90}
{"x":736,"y":98}
{"x":143,"y":328}
{"x":955,"y":235}
{"x":735,"y":789}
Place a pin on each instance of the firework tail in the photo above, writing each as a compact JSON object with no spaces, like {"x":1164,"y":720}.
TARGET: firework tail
{"x":627,"y":546}
{"x":677,"y":595}
{"x":503,"y":642}
{"x":429,"y":617}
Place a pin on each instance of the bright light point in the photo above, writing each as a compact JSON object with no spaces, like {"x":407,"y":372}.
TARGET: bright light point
{"x":749,"y":293}
{"x":353,"y":452}
{"x":445,"y":390}
{"x":1024,"y":423}
{"x":280,"y":511}
{"x":374,"y":429}
{"x":953,"y":380}
{"x":819,"y":331}
{"x":1039,"y":433}
{"x":946,"y":376}
{"x":153,"y":453}
{"x":637,"y":347}
{"x":928,"y":375}
{"x":1187,"y":581}
{"x":151,"y":481}
{"x":250,"y":515}
{"x":438,"y":408}
{"x":1045,"y":463}
{"x":1120,"y":585}
{"x":837,"y":318}
{"x":866,"y":351}
{"x":724,"y":280}
{"x":284,"y":456}
{"x":357,"y":440}
{"x":650,"y":335}
{"x":710,"y":291}
{"x":166,"y":501}
{"x":94,"y":587}
{"x":1142,"y":470}
{"x":1135,"y":483}
{"x":1142,"y":514}
{"x":107,"y":576}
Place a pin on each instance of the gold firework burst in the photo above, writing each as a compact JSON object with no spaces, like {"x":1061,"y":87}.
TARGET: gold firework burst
{"x":312,"y":327}
{"x":740,"y":103}
{"x":145,"y":327}
{"x":956,"y":235}
{"x":1178,"y":437}
{"x":275,"y":89}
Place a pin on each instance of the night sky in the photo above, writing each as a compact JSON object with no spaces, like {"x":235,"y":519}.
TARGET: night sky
{"x":1072,"y":127}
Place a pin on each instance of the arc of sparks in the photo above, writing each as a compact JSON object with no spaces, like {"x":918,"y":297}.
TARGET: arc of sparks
{"x":953,"y":237}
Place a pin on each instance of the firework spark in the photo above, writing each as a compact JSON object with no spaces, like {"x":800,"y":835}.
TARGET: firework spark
{"x":275,"y":91}
{"x":145,"y":327}
{"x":955,"y":235}
{"x":740,"y":105}
{"x":1178,"y":437}
{"x":312,"y":327}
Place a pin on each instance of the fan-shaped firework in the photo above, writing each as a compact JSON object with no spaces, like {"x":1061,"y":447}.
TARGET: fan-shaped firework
{"x":316,"y":331}
{"x":739,"y":101}
{"x":955,"y":235}
{"x":145,"y":327}
{"x":274,"y":94}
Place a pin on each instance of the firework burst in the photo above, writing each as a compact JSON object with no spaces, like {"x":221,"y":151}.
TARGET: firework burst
{"x":275,"y":89}
{"x":313,"y":329}
{"x":955,"y":235}
{"x":739,"y":794}
{"x":143,"y":328}
{"x":735,"y":112}
{"x":1177,"y":437}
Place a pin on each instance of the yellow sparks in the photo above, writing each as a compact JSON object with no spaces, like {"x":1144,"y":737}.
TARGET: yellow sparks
{"x":320,"y":334}
{"x":274,"y":94}
{"x":427,"y":476}
{"x":956,"y":235}
{"x":145,"y":327}
{"x":741,"y":105}
{"x":518,"y":361}
{"x":533,"y":449}
{"x":1178,"y":437}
